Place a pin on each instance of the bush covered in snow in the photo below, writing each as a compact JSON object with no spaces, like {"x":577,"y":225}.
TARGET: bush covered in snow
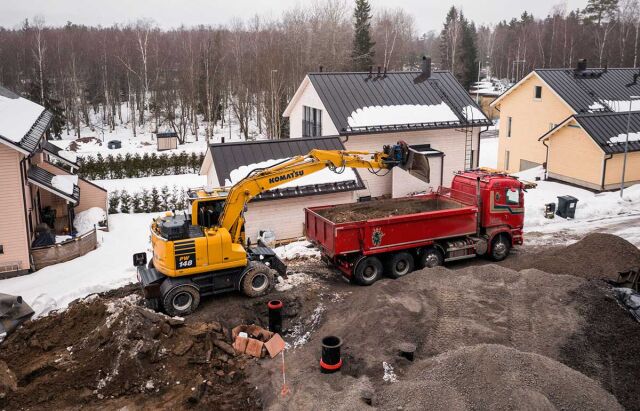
{"x":147,"y":201}
{"x":136,"y":165}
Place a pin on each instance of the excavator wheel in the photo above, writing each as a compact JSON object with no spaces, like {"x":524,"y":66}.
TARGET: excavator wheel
{"x":257,"y":280}
{"x":181,"y":300}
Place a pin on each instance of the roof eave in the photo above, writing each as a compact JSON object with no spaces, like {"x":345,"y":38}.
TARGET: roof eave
{"x":296,"y":96}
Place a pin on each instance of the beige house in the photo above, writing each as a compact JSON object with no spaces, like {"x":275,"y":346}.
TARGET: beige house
{"x":571,"y":121}
{"x":361,"y":112}
{"x":38,"y":183}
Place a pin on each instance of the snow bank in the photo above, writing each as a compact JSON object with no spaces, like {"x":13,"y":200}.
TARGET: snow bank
{"x":106,"y":268}
{"x":297,"y":249}
{"x":64,"y":183}
{"x":401,"y":114}
{"x":131,"y":185}
{"x":86,"y":220}
{"x":320,"y":177}
{"x":18,"y":115}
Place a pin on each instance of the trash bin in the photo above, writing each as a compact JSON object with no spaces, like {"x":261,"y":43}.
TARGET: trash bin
{"x":549,"y":210}
{"x":566,"y":206}
{"x":114,"y":144}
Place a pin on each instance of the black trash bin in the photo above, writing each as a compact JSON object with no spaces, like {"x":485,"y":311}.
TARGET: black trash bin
{"x":566,"y":206}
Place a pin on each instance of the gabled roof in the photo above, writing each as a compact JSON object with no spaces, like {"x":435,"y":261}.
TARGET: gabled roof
{"x":22,"y":122}
{"x":345,"y":95}
{"x":609,"y":130}
{"x":44,"y":179}
{"x":229,"y":157}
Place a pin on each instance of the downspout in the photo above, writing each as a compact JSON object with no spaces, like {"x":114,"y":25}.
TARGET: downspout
{"x":546,"y":160}
{"x":604,"y":169}
{"x":478,"y":152}
{"x":442,"y":169}
{"x":23,"y":180}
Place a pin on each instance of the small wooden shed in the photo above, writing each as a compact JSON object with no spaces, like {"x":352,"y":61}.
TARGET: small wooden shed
{"x":167,"y":141}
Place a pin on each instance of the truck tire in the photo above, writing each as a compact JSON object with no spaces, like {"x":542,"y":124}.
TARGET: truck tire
{"x":368,"y":270}
{"x":431,"y":257}
{"x":181,"y":300}
{"x":257,"y":280}
{"x":399,"y":264}
{"x":500,"y":247}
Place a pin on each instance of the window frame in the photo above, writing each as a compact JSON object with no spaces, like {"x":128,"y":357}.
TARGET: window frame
{"x":535,"y":92}
{"x":311,"y":122}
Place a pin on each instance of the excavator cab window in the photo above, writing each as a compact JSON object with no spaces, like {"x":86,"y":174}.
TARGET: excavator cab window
{"x":209,"y":212}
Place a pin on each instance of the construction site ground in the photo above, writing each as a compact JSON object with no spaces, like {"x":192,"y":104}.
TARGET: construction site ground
{"x":541,"y":330}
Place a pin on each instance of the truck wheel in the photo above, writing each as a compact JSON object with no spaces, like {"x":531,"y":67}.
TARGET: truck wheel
{"x":368,"y":271}
{"x":257,"y":280}
{"x":500,"y":247}
{"x":431,"y":257}
{"x":181,"y":300}
{"x":399,"y":264}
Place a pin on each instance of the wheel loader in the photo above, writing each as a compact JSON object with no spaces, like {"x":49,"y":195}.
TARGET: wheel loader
{"x":205,"y":252}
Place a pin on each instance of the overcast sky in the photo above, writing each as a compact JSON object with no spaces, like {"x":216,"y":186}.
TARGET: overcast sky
{"x":429,"y":14}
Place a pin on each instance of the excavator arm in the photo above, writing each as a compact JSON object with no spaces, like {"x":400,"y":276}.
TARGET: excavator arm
{"x":264,"y":179}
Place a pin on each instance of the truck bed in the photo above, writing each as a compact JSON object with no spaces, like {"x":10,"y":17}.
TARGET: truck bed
{"x":388,"y":225}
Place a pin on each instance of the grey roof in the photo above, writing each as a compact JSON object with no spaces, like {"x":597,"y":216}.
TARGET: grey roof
{"x":344,"y":93}
{"x":601,"y":127}
{"x":54,"y":150}
{"x":583,"y":89}
{"x":229,"y":156}
{"x":43,"y":178}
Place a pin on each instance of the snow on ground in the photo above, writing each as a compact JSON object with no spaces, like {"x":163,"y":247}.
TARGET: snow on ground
{"x":401,"y":114}
{"x":489,"y":152}
{"x":18,"y":115}
{"x":297,"y":249}
{"x":108,"y":267}
{"x":132,"y":185}
{"x":86,"y":220}
{"x":320,"y":177}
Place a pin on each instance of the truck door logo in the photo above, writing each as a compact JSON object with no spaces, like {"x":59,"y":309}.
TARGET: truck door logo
{"x":376,"y":236}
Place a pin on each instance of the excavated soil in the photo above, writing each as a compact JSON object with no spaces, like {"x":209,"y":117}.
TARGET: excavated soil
{"x":110,"y":352}
{"x":384,"y":208}
{"x":598,"y":255}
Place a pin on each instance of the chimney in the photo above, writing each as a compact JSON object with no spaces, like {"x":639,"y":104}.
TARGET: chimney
{"x":321,"y":69}
{"x":379,"y":71}
{"x":370,"y":72}
{"x":582,"y":65}
{"x":426,"y":66}
{"x":385,"y":72}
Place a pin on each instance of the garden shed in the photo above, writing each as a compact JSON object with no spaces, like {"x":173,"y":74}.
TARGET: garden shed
{"x":167,"y":141}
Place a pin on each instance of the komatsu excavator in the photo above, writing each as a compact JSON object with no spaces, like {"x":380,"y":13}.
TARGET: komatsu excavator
{"x":206,"y":253}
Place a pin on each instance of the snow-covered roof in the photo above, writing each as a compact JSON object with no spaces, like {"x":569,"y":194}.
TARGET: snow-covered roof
{"x":360,"y":102}
{"x":22,"y":122}
{"x":233,"y":161}
{"x":64,"y":186}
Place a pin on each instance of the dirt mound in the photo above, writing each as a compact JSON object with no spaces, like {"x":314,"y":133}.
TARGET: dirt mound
{"x":498,"y":378}
{"x":384,"y":208}
{"x":597,"y":255}
{"x":113,"y":352}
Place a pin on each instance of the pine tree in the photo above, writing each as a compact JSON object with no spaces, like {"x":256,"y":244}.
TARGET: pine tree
{"x":458,"y":47}
{"x":469,"y":53}
{"x":114,"y":200}
{"x":125,"y":202}
{"x":138,"y":202}
{"x":362,"y":54}
{"x":598,"y":10}
{"x":155,"y":201}
{"x":145,"y":201}
{"x":164,"y":198}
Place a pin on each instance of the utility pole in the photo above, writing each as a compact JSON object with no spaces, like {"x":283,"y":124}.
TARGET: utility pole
{"x":626,"y":144}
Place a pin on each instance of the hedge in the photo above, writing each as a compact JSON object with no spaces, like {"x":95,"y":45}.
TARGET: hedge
{"x":147,"y":201}
{"x":136,"y":165}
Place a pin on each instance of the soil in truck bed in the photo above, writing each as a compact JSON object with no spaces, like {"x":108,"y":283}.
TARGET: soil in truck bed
{"x":346,"y":213}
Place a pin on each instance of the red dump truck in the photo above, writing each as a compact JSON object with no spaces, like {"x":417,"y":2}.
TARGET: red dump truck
{"x":481,"y":214}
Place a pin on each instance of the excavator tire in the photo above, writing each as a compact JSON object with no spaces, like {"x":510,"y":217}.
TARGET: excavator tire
{"x":257,"y":280}
{"x":181,"y":300}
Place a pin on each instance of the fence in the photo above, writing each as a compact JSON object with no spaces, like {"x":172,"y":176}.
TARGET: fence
{"x":65,"y":251}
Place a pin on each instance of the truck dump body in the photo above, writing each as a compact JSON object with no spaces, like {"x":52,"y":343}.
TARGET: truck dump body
{"x":387,"y":225}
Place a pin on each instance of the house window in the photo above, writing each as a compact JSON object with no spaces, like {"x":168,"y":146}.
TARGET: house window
{"x":538,"y":93}
{"x":1,"y":249}
{"x":508,"y":126}
{"x":311,"y":122}
{"x":506,"y":160}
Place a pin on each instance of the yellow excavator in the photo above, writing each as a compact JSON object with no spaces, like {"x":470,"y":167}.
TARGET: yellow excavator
{"x":205,"y":252}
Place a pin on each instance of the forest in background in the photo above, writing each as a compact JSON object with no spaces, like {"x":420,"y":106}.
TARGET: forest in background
{"x":185,"y":79}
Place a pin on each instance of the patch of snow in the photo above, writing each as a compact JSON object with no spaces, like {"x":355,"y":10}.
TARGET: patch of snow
{"x":401,"y":114}
{"x":320,"y":177}
{"x":86,"y":220}
{"x":622,"y":137}
{"x":106,"y":268}
{"x":18,"y":115}
{"x":473,"y":113}
{"x":488,"y":152}
{"x":68,"y":155}
{"x":389,"y":374}
{"x":596,"y":106}
{"x":297,"y":249}
{"x":293,"y":280}
{"x":301,"y":333}
{"x":64,"y":183}
{"x":62,"y":238}
{"x":181,"y":181}
{"x":622,"y":105}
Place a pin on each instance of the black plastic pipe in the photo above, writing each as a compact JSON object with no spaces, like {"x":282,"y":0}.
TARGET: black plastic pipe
{"x":331,"y":360}
{"x":275,"y":316}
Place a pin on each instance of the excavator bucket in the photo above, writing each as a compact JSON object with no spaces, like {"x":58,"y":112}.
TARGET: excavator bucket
{"x":416,"y":162}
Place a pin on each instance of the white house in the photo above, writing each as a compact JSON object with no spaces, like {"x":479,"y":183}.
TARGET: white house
{"x":362,"y":112}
